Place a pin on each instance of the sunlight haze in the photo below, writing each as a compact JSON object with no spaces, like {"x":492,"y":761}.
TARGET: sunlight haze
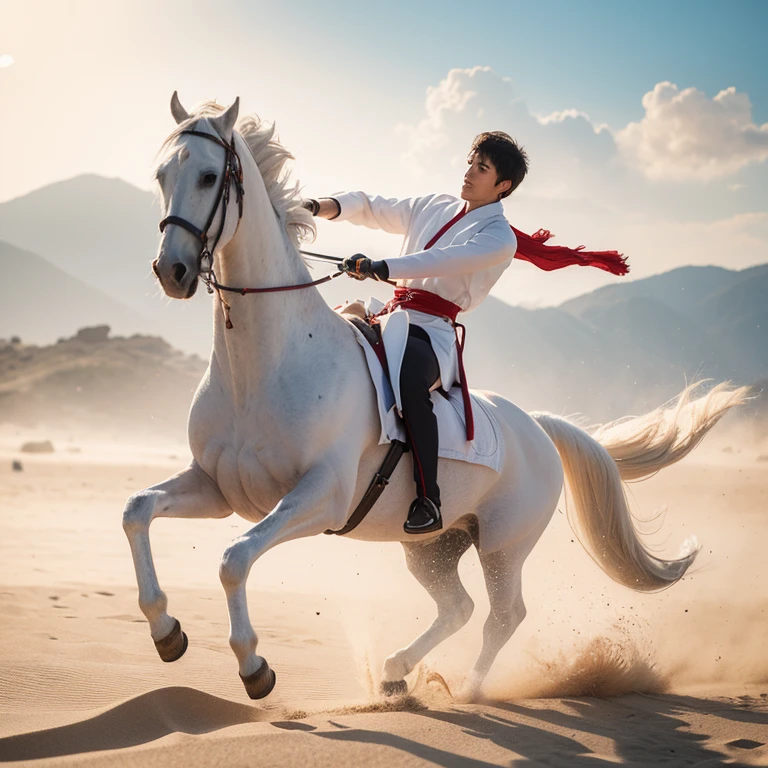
{"x":652,"y":142}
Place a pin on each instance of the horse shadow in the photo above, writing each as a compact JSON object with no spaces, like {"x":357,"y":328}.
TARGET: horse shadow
{"x":645,"y":729}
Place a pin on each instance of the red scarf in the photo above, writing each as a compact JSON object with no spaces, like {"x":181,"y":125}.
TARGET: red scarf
{"x":532,"y":248}
{"x":548,"y":257}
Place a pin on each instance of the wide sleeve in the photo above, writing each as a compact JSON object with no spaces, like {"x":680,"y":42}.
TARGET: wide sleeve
{"x":483,"y":250}
{"x":375,"y":212}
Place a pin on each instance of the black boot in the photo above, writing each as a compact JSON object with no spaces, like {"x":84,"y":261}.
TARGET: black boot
{"x":423,"y":517}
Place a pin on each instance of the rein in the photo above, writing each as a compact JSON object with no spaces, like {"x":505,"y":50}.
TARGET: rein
{"x":213,"y":283}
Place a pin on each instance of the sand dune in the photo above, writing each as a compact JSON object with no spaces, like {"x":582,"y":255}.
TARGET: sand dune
{"x":80,"y":684}
{"x":166,"y":726}
{"x":138,"y":720}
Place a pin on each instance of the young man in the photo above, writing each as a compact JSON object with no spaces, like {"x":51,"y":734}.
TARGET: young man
{"x":453,"y":252}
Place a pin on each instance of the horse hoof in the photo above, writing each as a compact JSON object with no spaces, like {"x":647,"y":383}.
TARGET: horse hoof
{"x":261,"y":682}
{"x":394,"y":688}
{"x":173,"y":646}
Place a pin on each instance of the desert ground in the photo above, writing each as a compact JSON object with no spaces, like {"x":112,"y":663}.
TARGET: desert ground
{"x":595,"y":674}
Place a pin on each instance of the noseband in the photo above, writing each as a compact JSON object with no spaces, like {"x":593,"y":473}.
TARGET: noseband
{"x":233,"y":171}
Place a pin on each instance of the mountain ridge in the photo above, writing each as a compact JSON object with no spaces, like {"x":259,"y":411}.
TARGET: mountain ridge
{"x":34,"y":319}
{"x":619,"y":347}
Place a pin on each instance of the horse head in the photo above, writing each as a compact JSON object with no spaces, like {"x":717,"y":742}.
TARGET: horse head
{"x":199,"y":172}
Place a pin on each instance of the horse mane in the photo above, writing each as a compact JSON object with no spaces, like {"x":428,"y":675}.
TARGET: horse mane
{"x":271,"y":157}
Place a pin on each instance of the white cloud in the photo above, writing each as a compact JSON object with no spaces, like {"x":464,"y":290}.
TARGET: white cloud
{"x":686,"y":136}
{"x":462,"y":101}
{"x":6,"y":60}
{"x":565,"y":148}
{"x":581,"y":187}
{"x":565,"y":114}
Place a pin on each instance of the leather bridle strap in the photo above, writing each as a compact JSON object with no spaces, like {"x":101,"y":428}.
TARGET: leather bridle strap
{"x":276,"y":289}
{"x":233,"y":171}
{"x":198,"y":233}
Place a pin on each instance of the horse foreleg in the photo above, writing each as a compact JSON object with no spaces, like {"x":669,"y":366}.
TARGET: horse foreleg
{"x":191,"y":494}
{"x":314,"y":505}
{"x":435,"y":565}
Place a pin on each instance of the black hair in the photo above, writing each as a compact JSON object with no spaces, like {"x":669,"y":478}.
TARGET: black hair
{"x":508,"y":157}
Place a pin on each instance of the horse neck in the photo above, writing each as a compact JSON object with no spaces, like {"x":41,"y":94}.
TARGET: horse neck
{"x":266,"y":327}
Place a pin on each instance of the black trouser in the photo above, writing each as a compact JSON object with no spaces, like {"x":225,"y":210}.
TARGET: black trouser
{"x":420,"y":370}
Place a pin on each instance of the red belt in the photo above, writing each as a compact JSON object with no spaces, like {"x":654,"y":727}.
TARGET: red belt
{"x":431,"y":304}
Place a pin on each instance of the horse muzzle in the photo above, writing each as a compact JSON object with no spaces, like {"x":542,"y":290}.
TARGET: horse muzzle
{"x":177,"y":278}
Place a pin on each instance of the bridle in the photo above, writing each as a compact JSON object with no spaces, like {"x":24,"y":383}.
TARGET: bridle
{"x":233,"y":172}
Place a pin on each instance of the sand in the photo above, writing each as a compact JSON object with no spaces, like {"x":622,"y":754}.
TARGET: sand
{"x":595,"y":674}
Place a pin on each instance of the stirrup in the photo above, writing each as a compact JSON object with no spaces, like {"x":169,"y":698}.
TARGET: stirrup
{"x":432,"y":520}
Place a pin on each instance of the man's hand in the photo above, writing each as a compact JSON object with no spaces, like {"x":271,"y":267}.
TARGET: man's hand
{"x":312,"y":205}
{"x":361,"y":267}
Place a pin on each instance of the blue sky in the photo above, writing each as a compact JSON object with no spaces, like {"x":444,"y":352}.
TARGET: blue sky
{"x":597,"y":55}
{"x":636,"y":141}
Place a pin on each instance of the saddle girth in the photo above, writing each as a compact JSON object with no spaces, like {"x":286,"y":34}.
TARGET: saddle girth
{"x":375,"y":489}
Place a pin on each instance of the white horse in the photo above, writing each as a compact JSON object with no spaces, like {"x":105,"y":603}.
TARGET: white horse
{"x":284,"y":429}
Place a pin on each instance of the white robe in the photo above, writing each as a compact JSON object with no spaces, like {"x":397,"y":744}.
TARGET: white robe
{"x":462,"y":266}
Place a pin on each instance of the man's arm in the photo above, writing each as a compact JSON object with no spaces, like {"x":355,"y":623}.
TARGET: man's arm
{"x":372,"y":211}
{"x":484,"y":250}
{"x":327,"y":208}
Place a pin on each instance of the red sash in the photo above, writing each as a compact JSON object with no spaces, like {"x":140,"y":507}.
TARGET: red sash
{"x":460,"y":215}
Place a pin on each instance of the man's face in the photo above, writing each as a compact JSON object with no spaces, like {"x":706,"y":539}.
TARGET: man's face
{"x":480,"y":185}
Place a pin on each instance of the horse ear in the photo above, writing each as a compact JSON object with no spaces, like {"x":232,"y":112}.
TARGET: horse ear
{"x":179,"y":113}
{"x":225,"y":122}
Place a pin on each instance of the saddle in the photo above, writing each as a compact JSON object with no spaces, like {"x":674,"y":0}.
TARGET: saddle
{"x":448,"y":406}
{"x":484,"y":449}
{"x":371,"y":331}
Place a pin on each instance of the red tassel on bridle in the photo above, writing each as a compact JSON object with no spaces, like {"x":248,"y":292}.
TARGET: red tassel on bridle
{"x":532,"y":248}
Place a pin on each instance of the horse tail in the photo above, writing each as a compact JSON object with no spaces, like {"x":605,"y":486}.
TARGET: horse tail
{"x":634,"y":448}
{"x":642,"y":445}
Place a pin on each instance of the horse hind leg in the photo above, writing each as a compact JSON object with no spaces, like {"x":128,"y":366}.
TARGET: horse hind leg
{"x":502,"y":572}
{"x":435,"y":565}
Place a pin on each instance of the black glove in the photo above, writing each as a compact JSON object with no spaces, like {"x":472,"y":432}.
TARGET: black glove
{"x":312,"y":205}
{"x":360,"y":267}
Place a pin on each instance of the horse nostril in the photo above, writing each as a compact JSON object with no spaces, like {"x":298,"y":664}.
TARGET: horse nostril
{"x":154,"y":268}
{"x":179,"y":270}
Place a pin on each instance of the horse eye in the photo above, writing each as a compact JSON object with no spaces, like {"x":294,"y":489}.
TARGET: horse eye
{"x":208,"y":179}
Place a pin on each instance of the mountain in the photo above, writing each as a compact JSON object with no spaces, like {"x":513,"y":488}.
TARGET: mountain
{"x":737,"y":320}
{"x":700,"y":321}
{"x":546,"y":359}
{"x":137,"y":384}
{"x":625,"y":347}
{"x":104,"y":233}
{"x":40,"y":300}
{"x":101,"y":230}
{"x":679,"y":289}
